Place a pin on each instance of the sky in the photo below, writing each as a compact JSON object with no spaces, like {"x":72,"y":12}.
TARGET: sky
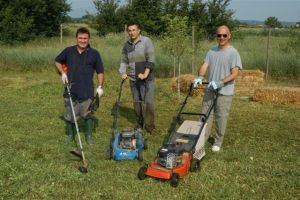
{"x":283,"y":10}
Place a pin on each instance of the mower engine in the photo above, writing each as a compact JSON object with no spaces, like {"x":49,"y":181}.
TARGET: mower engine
{"x":128,"y":139}
{"x":167,"y":156}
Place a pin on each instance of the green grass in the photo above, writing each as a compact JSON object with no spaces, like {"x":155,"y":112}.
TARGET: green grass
{"x":283,"y":54}
{"x":259,"y":159}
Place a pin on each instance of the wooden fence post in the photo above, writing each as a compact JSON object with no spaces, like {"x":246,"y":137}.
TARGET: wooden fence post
{"x":61,"y":33}
{"x":193,"y":47}
{"x":267,"y":63}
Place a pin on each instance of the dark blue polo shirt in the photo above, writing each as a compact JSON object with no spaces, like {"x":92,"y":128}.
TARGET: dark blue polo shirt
{"x":81,"y":68}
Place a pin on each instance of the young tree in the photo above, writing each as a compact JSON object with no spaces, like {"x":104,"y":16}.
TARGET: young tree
{"x":175,"y":40}
{"x":272,"y":22}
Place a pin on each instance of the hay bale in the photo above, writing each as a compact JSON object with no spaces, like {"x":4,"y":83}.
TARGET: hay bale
{"x":282,"y":95}
{"x":249,"y":81}
{"x":185,"y":81}
{"x":245,"y":84}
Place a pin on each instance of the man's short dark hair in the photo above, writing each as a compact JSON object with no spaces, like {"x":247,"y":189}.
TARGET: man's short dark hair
{"x":132,"y":24}
{"x":82,"y":30}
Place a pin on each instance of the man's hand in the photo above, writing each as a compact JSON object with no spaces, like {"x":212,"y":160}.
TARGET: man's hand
{"x":64,"y":78}
{"x":124,"y":76}
{"x":99,"y":91}
{"x":198,"y":81}
{"x":142,"y":76}
{"x":215,"y":84}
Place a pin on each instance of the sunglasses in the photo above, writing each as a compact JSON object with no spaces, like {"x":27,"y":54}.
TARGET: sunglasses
{"x":220,"y":35}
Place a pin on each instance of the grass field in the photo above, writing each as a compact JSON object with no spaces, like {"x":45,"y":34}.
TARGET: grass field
{"x":283,"y":55}
{"x":259,"y":159}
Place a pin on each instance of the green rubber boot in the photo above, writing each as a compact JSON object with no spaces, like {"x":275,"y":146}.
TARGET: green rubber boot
{"x":70,"y":130}
{"x":88,"y":129}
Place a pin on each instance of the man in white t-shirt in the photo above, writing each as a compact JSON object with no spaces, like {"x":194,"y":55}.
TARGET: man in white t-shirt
{"x":222,"y":65}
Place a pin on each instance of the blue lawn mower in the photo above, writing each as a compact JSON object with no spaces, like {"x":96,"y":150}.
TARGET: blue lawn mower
{"x":127,"y":143}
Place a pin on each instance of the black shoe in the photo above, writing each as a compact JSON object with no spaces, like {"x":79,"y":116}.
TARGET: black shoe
{"x":150,"y":130}
{"x":211,"y":140}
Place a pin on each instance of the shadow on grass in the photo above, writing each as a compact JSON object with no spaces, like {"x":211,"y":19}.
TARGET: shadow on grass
{"x":124,"y":112}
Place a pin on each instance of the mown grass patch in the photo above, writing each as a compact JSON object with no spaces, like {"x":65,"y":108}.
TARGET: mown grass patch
{"x":259,"y":159}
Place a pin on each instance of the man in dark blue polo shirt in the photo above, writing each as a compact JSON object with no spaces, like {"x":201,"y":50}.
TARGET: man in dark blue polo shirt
{"x":81,"y":62}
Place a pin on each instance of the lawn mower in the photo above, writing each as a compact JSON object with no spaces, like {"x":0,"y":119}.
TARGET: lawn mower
{"x":127,"y":143}
{"x":182,"y":150}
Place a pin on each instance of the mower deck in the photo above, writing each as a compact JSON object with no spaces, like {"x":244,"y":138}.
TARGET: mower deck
{"x":120,"y":153}
{"x":157,"y":171}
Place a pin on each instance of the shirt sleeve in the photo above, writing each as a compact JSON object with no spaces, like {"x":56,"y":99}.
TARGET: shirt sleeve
{"x":62,"y":57}
{"x":124,"y":61}
{"x":99,"y":64}
{"x":149,"y":54}
{"x":236,"y":60}
{"x":206,"y":59}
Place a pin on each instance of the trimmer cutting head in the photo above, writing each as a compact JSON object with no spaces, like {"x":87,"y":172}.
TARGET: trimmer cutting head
{"x":82,"y":169}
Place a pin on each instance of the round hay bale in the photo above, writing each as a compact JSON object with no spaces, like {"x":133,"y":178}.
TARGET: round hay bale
{"x":282,"y":95}
{"x":185,"y":81}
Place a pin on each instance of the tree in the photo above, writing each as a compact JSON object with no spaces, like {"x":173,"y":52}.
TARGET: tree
{"x":106,"y":18}
{"x":147,"y":14}
{"x":175,"y":7}
{"x":198,"y":17}
{"x":14,"y":27}
{"x":205,"y":15}
{"x":21,"y":20}
{"x":217,"y":15}
{"x":272,"y":22}
{"x":175,"y":40}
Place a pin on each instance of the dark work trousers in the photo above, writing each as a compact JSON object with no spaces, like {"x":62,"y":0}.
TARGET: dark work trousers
{"x":138,"y":89}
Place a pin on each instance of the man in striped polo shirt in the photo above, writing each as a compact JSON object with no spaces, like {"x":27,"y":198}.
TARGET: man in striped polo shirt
{"x":137,"y":64}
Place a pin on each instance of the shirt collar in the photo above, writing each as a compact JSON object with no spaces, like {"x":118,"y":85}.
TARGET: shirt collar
{"x":140,"y":39}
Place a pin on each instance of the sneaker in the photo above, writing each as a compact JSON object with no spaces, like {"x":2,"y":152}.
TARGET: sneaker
{"x":215,"y":148}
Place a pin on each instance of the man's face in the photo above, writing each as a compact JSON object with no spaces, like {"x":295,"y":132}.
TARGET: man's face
{"x":82,"y":40}
{"x":223,"y":37}
{"x":133,"y":32}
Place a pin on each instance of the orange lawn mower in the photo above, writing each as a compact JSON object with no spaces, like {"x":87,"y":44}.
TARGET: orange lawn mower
{"x":183,"y":149}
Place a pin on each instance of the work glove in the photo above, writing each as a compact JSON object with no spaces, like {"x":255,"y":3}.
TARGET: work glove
{"x":124,"y":76}
{"x":64,"y":78}
{"x":99,"y":91}
{"x":215,"y":84}
{"x":198,"y":81}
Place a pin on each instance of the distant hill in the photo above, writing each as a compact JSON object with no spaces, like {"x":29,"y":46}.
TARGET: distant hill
{"x":257,"y":22}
